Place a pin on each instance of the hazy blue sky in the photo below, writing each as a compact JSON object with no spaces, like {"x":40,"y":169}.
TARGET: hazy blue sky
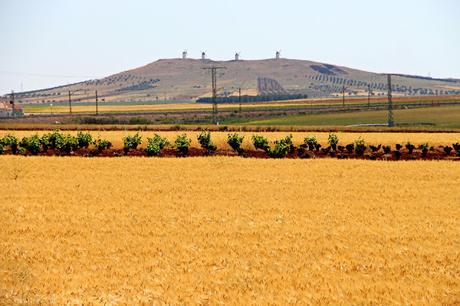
{"x":53,"y":42}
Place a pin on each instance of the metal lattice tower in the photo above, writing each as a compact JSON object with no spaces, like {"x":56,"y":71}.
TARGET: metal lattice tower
{"x":214,"y":92}
{"x":390,"y":104}
{"x":368,"y":96}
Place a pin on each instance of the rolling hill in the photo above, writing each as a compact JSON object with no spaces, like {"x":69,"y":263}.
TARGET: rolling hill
{"x":184,"y":79}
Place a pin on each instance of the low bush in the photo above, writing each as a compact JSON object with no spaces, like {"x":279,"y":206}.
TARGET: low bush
{"x":360,"y":146}
{"x":2,"y":150}
{"x":386,"y":149}
{"x":155,"y":145}
{"x":66,"y":144}
{"x":102,"y":144}
{"x":424,"y":148}
{"x":311,"y":142}
{"x":333,"y":140}
{"x":10,"y":141}
{"x":31,"y":144}
{"x":282,"y":147}
{"x":447,"y":150}
{"x":288,"y":141}
{"x":350,"y":147}
{"x":53,"y":138}
{"x":22,"y":151}
{"x":182,"y":144}
{"x":410,"y":147}
{"x":84,"y":140}
{"x":49,"y":140}
{"x":326,"y":150}
{"x":204,"y":138}
{"x":45,"y":142}
{"x":131,"y":142}
{"x":317,"y":146}
{"x":260,"y":142}
{"x":234,"y":141}
{"x":375,"y":149}
{"x":456,"y":147}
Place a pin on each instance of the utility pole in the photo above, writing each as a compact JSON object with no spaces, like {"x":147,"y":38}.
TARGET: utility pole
{"x":239,"y":97}
{"x":343,"y":96}
{"x":70,"y":103}
{"x":97,"y":106}
{"x":368,"y":96}
{"x":214,"y":91}
{"x":390,"y":104}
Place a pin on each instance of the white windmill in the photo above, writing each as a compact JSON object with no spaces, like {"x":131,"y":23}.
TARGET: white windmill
{"x":278,"y":54}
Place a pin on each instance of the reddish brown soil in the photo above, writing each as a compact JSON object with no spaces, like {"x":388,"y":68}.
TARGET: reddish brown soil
{"x":436,"y":154}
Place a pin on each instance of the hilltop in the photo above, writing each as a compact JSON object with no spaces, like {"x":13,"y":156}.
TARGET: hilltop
{"x":184,"y":79}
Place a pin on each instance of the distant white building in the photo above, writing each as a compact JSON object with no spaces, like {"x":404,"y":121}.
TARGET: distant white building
{"x":6,"y":110}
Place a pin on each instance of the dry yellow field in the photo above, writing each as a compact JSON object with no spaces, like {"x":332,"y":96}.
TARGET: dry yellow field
{"x":220,"y":138}
{"x":225,"y":230}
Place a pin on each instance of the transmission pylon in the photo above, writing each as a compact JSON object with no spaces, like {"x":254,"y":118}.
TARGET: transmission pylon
{"x":390,"y":104}
{"x":368,"y":96}
{"x":214,"y":91}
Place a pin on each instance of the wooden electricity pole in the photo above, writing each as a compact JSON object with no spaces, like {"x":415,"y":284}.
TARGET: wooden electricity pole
{"x":368,"y":96}
{"x":70,"y":103}
{"x":239,"y":97}
{"x":97,"y":106}
{"x":13,"y":113}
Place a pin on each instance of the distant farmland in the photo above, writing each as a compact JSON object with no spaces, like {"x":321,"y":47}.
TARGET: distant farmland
{"x":427,"y":118}
{"x":114,"y":107}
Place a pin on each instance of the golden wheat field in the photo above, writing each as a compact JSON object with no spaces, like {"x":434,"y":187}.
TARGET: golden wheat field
{"x":227,"y":230}
{"x":220,"y":138}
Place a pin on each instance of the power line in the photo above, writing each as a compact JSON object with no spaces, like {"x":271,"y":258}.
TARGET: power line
{"x":214,"y":91}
